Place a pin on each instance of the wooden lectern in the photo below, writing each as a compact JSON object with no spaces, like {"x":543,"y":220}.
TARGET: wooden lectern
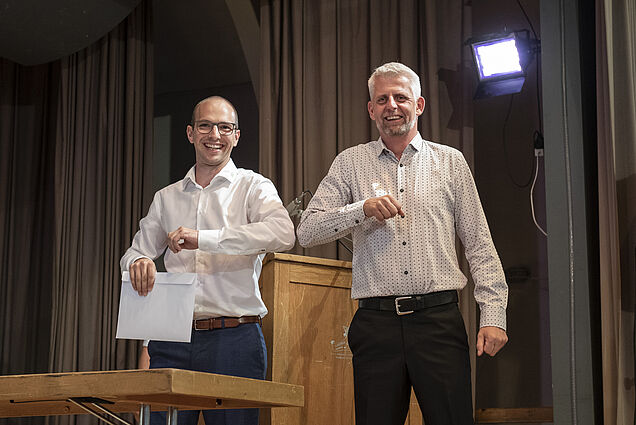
{"x":310,"y":308}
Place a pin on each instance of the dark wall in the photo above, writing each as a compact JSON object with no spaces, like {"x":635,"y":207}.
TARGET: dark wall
{"x":198,"y":54}
{"x":520,"y":375}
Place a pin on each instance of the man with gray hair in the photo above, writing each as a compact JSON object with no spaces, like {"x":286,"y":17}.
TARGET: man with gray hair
{"x":404,"y":199}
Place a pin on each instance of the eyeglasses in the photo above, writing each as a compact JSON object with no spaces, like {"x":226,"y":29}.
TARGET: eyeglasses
{"x":225,"y":128}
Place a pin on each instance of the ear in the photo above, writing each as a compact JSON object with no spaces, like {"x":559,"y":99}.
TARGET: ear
{"x":370,"y":109}
{"x":190,"y":133}
{"x":237,"y":135}
{"x":420,"y":104}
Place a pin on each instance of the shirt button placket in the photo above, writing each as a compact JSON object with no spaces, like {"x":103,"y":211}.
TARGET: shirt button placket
{"x":401,"y":180}
{"x":401,"y":223}
{"x":197,"y":254}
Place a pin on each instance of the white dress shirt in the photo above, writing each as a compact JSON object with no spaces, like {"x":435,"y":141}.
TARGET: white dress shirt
{"x":415,"y":254}
{"x":239,"y":217}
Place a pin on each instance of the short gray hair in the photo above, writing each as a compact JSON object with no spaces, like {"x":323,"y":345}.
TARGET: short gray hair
{"x":395,"y":69}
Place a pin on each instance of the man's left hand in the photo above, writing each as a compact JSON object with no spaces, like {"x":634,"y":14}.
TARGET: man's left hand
{"x":183,"y":238}
{"x":490,"y":340}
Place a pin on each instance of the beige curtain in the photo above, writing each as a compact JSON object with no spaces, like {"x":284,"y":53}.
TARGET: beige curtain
{"x":616,"y":94}
{"x":316,"y":57}
{"x":102,"y":173}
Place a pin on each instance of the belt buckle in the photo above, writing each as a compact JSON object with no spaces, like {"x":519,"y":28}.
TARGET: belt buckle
{"x":196,"y":323}
{"x":397,"y":306}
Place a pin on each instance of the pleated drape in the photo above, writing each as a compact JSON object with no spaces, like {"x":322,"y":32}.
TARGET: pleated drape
{"x":28,"y":110}
{"x":616,"y":117}
{"x":103,"y":165}
{"x":75,"y":178}
{"x":102,"y":178}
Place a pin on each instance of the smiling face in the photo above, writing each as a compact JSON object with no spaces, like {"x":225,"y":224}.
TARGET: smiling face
{"x":394,"y":108}
{"x":213,"y":149}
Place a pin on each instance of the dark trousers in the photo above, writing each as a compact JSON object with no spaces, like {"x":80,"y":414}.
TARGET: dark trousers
{"x":427,"y":350}
{"x":236,"y":351}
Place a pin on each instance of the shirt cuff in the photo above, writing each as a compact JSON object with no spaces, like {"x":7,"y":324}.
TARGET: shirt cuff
{"x":209,"y":240}
{"x":355,"y":214}
{"x":493,"y":316}
{"x":135,"y":259}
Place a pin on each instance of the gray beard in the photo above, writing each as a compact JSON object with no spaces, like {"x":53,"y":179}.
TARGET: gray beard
{"x":396,"y":131}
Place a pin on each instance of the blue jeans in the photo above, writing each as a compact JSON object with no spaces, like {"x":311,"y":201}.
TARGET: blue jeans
{"x":236,"y":351}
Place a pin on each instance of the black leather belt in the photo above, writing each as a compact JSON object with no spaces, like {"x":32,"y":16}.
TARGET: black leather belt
{"x":408,"y":304}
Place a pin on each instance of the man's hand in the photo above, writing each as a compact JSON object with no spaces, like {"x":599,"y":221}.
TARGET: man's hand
{"x":382,"y":207}
{"x":142,"y":275}
{"x":183,"y":238}
{"x":490,"y":340}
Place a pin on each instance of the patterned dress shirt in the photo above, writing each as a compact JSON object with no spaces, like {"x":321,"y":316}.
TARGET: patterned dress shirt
{"x":415,"y":254}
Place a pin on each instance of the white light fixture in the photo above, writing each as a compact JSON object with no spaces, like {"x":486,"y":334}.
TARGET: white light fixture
{"x":500,"y":62}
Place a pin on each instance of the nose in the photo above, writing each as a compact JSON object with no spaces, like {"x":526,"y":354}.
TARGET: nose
{"x":215,"y":132}
{"x":392,"y":102}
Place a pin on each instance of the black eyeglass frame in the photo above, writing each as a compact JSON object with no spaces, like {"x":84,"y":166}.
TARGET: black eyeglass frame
{"x":218,"y":125}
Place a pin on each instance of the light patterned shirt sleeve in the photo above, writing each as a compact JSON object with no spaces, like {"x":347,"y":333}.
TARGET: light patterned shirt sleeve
{"x":491,"y":290}
{"x":331,"y":213}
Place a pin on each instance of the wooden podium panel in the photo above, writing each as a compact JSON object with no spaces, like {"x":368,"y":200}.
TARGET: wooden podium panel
{"x":126,"y":390}
{"x":310,"y":308}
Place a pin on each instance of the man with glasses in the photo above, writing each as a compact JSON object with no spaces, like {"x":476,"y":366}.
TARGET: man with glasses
{"x":218,"y":222}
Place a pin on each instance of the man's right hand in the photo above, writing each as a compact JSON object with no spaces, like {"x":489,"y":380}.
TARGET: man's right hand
{"x":142,"y":275}
{"x":382,"y":207}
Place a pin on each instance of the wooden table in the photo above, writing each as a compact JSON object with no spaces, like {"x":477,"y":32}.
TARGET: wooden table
{"x":125,"y":391}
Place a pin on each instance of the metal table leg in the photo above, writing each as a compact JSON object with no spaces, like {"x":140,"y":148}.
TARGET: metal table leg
{"x":171,"y":416}
{"x":144,"y":414}
{"x":91,"y":404}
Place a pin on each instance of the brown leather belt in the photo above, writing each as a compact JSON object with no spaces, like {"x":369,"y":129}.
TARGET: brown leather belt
{"x":223,"y":322}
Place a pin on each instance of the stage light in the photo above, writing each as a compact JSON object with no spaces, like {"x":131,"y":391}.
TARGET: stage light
{"x":501,"y":62}
{"x":496,"y":58}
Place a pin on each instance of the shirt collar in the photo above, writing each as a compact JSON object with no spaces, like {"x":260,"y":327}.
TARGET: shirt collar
{"x":228,"y":172}
{"x":416,"y":142}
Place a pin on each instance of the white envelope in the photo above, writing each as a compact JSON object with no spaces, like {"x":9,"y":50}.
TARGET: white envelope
{"x":165,"y":314}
